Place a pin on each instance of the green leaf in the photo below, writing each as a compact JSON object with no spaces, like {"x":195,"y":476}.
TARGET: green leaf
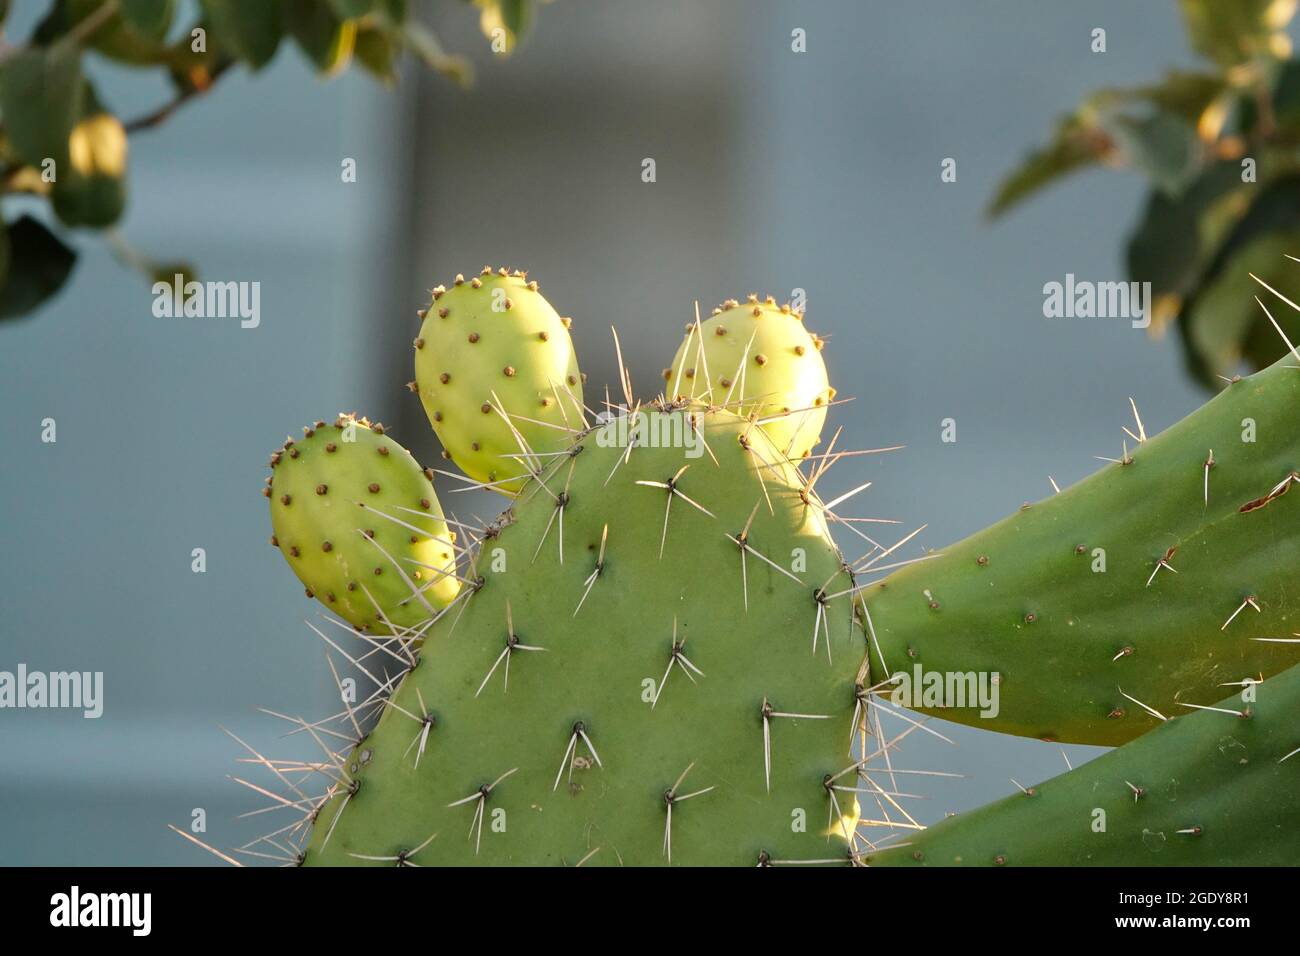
{"x":135,"y":33}
{"x":1157,"y":134}
{"x":250,"y":29}
{"x":40,"y":99}
{"x":351,"y":9}
{"x":1226,"y":326}
{"x":1276,"y":209}
{"x":1184,"y":93}
{"x":517,"y":15}
{"x":1215,"y":335}
{"x":1284,"y":102}
{"x":124,"y":43}
{"x":1162,"y":145}
{"x":1234,"y":31}
{"x":377,"y":49}
{"x":320,"y":33}
{"x":1074,"y":145}
{"x":58,"y":20}
{"x":39,"y":265}
{"x":1168,"y":248}
{"x":150,"y":17}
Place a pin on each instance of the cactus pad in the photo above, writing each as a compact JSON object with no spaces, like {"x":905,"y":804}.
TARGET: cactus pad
{"x":1213,"y":787}
{"x":594,"y":685}
{"x":1144,"y":586}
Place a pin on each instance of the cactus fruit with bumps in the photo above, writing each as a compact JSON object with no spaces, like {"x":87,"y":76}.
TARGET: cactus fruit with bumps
{"x":657,"y":654}
{"x":756,"y":358}
{"x":497,"y":375}
{"x":359,"y":523}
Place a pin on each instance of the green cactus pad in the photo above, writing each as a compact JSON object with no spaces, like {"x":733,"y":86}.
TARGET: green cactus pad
{"x":359,"y":523}
{"x":582,"y":757}
{"x":1194,"y":592}
{"x":498,"y":377}
{"x":1209,"y":788}
{"x":758,"y":360}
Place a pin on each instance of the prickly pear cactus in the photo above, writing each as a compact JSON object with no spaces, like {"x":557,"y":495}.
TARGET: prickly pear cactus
{"x":1145,"y":586}
{"x":595,"y":695}
{"x":359,"y":523}
{"x":757,"y":359}
{"x":658,"y":655}
{"x":497,"y":375}
{"x":1214,"y":787}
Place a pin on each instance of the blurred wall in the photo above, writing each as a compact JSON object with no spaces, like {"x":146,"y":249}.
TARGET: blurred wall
{"x":775,"y":170}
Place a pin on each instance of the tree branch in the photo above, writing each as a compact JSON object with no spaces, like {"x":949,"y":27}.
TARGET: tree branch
{"x":164,"y":112}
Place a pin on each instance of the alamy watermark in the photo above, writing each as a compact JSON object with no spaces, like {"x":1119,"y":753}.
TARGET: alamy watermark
{"x":1083,"y":299}
{"x":645,"y":430}
{"x":958,"y":690}
{"x":130,"y":910}
{"x":71,"y":690}
{"x":179,"y":299}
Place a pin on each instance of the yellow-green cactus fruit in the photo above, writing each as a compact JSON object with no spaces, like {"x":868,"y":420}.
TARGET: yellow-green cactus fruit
{"x":357,"y":520}
{"x":757,"y":359}
{"x":497,"y":375}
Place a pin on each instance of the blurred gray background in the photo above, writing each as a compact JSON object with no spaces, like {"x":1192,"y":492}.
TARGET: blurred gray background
{"x":775,"y":170}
